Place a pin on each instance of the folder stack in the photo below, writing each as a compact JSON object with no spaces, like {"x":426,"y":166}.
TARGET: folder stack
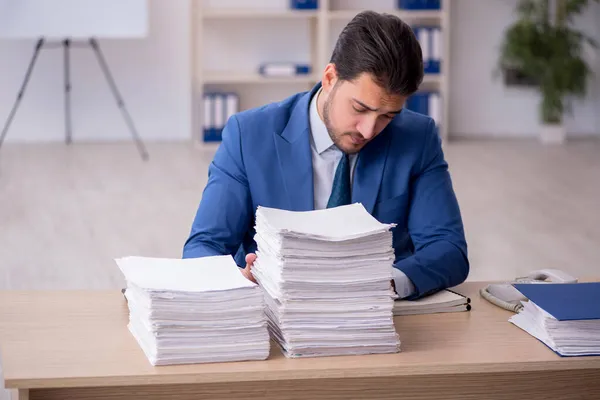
{"x":563,"y":316}
{"x":430,"y":39}
{"x":326,"y":276}
{"x":194,"y":310}
{"x":218,"y":108}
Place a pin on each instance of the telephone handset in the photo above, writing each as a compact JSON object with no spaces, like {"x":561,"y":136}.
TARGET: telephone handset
{"x":505,"y":295}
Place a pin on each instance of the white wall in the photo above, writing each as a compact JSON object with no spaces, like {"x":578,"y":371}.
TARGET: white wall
{"x":480,"y":104}
{"x":152,"y":74}
{"x":154,"y":77}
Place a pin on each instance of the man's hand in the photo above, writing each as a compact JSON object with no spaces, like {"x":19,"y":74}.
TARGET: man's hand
{"x":247,"y":272}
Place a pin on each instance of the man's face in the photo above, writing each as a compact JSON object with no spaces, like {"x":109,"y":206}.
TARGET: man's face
{"x":356,"y":112}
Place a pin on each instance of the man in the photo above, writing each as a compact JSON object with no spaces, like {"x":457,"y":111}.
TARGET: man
{"x":347,"y":140}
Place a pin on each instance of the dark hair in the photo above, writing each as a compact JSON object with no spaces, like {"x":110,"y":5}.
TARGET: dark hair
{"x":384,"y":46}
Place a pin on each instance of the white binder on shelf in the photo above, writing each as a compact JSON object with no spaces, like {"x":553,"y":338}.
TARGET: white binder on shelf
{"x":218,"y":108}
{"x":436,"y":50}
{"x":423,"y":36}
{"x":219,"y":112}
{"x":207,"y":117}
{"x":231,"y":105}
{"x":435,"y":107}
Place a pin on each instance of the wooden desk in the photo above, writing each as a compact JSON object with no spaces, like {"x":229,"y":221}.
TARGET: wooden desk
{"x":67,"y":345}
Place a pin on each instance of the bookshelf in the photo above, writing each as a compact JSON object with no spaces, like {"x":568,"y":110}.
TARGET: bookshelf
{"x":230,"y":38}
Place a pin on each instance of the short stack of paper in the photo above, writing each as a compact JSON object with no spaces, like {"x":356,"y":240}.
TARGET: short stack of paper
{"x":563,"y":316}
{"x":194,"y":310}
{"x":445,"y":301}
{"x":326,"y":276}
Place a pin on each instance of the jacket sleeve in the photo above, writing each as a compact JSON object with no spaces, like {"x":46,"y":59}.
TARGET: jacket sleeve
{"x":225,"y":210}
{"x":434,"y":225}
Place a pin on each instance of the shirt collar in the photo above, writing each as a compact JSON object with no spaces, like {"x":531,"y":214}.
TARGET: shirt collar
{"x":321,"y":139}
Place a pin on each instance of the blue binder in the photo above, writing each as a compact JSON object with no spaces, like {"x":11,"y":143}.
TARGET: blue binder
{"x":433,"y":4}
{"x":419,"y":4}
{"x":290,"y":69}
{"x":419,"y":103}
{"x":407,"y":4}
{"x":565,"y":301}
{"x":304,"y":4}
{"x":207,"y":114}
{"x":430,"y":39}
{"x":218,"y":108}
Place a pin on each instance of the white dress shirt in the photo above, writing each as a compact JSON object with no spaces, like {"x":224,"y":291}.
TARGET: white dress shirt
{"x":325,"y":158}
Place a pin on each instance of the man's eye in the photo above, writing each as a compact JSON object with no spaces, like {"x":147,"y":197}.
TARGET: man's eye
{"x":360,"y":110}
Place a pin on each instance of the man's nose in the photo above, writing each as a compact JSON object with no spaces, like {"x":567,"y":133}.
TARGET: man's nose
{"x":366,"y":127}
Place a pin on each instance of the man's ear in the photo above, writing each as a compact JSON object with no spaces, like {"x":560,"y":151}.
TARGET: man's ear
{"x":329,"y":77}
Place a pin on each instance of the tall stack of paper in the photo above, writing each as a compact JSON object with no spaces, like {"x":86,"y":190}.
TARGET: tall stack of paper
{"x":326,"y":276}
{"x":194,"y":310}
{"x":563,"y":316}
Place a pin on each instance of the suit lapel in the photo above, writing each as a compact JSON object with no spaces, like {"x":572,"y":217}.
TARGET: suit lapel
{"x":368,"y":173}
{"x":295,"y":157}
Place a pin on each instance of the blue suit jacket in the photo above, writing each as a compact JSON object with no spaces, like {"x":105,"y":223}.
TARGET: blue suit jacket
{"x":400,"y":177}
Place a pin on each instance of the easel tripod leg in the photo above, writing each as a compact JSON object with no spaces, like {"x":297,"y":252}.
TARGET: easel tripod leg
{"x":38,"y":46}
{"x":68,"y":130}
{"x":119,"y":99}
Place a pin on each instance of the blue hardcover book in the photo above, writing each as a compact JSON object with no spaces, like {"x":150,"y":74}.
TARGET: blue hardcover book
{"x":304,"y":4}
{"x":565,"y":301}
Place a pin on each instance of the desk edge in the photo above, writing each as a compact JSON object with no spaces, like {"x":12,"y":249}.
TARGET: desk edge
{"x":562,"y":364}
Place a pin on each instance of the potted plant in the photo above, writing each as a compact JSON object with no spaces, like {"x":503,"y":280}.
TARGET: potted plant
{"x":544,"y":47}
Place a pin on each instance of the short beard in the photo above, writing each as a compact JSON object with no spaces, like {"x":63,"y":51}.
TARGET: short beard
{"x":335,"y":137}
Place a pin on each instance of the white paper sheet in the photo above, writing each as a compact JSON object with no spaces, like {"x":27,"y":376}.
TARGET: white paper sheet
{"x":340,"y":223}
{"x":184,"y":275}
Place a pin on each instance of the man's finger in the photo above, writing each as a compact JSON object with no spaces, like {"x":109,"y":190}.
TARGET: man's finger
{"x":248,"y":274}
{"x":250,"y":258}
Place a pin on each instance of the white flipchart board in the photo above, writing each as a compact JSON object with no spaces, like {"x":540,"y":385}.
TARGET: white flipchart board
{"x":75,"y":19}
